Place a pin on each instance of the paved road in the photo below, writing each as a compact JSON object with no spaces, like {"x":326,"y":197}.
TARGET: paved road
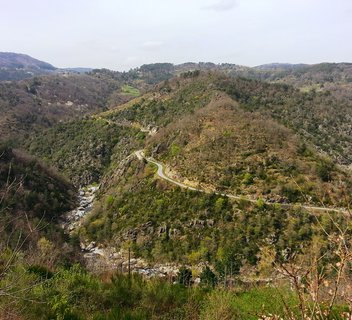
{"x":140,"y":155}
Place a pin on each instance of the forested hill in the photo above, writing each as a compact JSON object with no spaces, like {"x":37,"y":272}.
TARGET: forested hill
{"x":42,"y":101}
{"x":215,"y":133}
{"x":281,"y":149}
{"x":240,"y":127}
{"x":32,"y":199}
{"x":321,"y":117}
{"x":16,"y":66}
{"x":234,"y":135}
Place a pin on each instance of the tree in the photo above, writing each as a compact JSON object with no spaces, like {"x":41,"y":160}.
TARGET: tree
{"x":228,"y":263}
{"x":184,"y":276}
{"x":320,"y":275}
{"x":208,"y":277}
{"x":324,"y":169}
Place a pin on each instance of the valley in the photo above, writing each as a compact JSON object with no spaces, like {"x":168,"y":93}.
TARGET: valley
{"x":99,"y":258}
{"x":160,"y":192}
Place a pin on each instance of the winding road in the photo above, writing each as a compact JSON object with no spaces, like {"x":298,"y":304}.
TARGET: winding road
{"x":161,"y":173}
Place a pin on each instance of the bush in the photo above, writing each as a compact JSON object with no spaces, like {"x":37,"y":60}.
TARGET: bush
{"x":324,"y":170}
{"x":208,"y":277}
{"x":218,"y":306}
{"x":248,"y":179}
{"x":184,"y":276}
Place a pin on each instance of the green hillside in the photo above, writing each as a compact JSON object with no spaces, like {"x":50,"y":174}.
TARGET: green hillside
{"x":211,"y":140}
{"x":280,"y":149}
{"x":84,"y":149}
{"x":33,"y":197}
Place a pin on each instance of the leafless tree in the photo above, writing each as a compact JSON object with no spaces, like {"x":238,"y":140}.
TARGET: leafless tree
{"x":10,"y":249}
{"x":320,"y":278}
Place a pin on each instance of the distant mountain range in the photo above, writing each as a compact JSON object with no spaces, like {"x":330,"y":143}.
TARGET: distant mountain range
{"x":16,"y":66}
{"x":281,"y":66}
{"x":45,"y":94}
{"x":22,"y":61}
{"x":78,"y":70}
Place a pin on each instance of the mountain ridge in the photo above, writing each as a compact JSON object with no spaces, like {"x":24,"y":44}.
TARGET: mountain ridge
{"x":22,"y":61}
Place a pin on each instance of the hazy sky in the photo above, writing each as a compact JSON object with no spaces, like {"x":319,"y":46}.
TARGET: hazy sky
{"x":120,"y":34}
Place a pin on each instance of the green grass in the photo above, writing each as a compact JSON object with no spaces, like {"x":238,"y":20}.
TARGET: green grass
{"x":263,"y":301}
{"x":130,"y":91}
{"x":73,"y":293}
{"x":257,"y":303}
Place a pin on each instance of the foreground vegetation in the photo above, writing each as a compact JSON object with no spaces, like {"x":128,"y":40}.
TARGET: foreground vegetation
{"x":73,"y":293}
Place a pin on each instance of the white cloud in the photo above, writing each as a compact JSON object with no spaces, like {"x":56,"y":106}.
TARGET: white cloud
{"x":222,"y":5}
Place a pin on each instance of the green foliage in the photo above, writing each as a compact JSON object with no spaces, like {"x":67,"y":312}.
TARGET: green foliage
{"x":208,"y":277}
{"x":260,"y":203}
{"x":218,"y":306}
{"x":74,"y":293}
{"x":263,"y":301}
{"x":91,"y":145}
{"x":109,"y":201}
{"x":219,"y":205}
{"x":174,"y":150}
{"x":292,"y":193}
{"x":129,"y":90}
{"x":184,"y":276}
{"x":247,"y":179}
{"x":229,"y":261}
{"x":65,"y":291}
{"x":325,"y":169}
{"x":32,"y":196}
{"x":40,"y":271}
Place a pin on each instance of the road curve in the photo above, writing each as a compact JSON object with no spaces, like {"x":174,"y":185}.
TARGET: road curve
{"x":140,"y":155}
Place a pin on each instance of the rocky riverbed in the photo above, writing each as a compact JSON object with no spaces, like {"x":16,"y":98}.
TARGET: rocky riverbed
{"x":101,"y":258}
{"x":73,"y":219}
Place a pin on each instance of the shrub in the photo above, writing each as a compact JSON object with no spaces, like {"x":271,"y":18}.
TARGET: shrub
{"x":324,"y":170}
{"x":184,"y":276}
{"x":208,"y":277}
{"x":218,"y":306}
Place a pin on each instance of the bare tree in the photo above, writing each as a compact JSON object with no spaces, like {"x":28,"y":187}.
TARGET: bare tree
{"x":11,"y":248}
{"x":319,"y":276}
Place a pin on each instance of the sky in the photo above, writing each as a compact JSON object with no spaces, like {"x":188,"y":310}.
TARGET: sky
{"x":123,"y":34}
